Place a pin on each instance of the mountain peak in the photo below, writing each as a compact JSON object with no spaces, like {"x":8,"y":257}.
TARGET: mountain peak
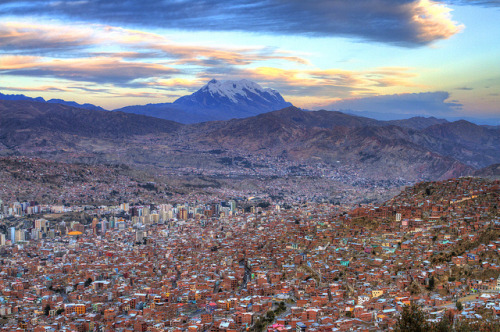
{"x":237,"y":91}
{"x":226,"y":99}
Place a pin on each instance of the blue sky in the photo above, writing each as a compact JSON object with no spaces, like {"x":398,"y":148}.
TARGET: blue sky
{"x":399,"y":56}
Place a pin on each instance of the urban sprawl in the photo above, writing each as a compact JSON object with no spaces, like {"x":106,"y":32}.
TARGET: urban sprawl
{"x":252,"y":264}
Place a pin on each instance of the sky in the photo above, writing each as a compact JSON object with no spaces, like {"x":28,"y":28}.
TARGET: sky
{"x":419,"y":57}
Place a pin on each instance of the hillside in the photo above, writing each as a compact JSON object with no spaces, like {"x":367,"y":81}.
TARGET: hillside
{"x":45,"y":181}
{"x":333,"y":138}
{"x":29,"y":126}
{"x":492,"y":171}
{"x":288,"y":143}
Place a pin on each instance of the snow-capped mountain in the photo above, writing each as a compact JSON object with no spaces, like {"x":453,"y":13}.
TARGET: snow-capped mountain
{"x":217,"y":100}
{"x":244,"y":96}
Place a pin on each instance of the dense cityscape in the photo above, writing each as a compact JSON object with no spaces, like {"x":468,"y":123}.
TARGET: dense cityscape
{"x":249,"y":166}
{"x":319,"y":267}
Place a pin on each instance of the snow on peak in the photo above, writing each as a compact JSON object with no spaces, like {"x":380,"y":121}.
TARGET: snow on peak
{"x":231,"y":89}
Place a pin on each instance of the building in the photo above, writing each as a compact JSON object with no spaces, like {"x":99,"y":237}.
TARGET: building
{"x":20,"y":235}
{"x":139,"y":236}
{"x":13,"y":235}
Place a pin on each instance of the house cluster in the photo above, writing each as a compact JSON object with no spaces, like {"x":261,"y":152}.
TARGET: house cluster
{"x":312,"y":267}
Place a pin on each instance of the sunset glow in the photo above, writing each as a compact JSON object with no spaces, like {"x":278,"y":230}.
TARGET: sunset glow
{"x":323,"y":53}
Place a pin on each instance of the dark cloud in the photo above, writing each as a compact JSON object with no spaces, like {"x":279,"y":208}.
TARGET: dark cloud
{"x":426,"y":103}
{"x":401,"y":22}
{"x":484,"y":3}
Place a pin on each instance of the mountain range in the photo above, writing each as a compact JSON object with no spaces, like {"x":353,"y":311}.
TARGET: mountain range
{"x":231,"y":132}
{"x":53,"y":101}
{"x":278,"y":143}
{"x":224,"y":100}
{"x":217,"y":100}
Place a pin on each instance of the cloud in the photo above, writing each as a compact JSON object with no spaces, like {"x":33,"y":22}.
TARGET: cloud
{"x":425,"y":103}
{"x":401,"y":22}
{"x":432,"y":21}
{"x":484,"y":3}
{"x":325,"y":84}
{"x":39,"y":89}
{"x":98,"y":70}
{"x":142,"y":94}
{"x":61,"y":41}
{"x":125,"y":56}
{"x":32,"y":38}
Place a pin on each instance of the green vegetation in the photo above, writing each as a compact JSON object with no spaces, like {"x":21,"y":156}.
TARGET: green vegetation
{"x":463,"y":246}
{"x":269,"y":318}
{"x":413,"y":319}
{"x":88,"y":282}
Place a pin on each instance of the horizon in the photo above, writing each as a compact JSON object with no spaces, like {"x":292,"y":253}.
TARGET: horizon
{"x":367,"y":114}
{"x":428,"y":58}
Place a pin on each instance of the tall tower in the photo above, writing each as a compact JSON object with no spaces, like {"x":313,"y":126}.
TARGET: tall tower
{"x":13,"y":235}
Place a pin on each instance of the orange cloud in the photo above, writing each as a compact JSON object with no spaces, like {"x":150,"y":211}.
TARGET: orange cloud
{"x":313,"y":88}
{"x":98,"y":69}
{"x":17,"y":61}
{"x":335,"y":77}
{"x":36,"y":88}
{"x":79,"y":41}
{"x":176,"y":83}
{"x":433,"y":21}
{"x":34,"y":37}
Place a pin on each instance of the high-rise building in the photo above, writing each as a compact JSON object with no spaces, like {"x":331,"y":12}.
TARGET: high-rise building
{"x":20,"y":235}
{"x":154,"y":218}
{"x":13,"y":235}
{"x":35,"y":234}
{"x":2,"y":239}
{"x":139,"y":236}
{"x":41,"y":224}
{"x":183,"y":214}
{"x":103,"y":226}
{"x":232,"y":205}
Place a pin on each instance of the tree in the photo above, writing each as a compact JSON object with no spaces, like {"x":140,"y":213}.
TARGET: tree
{"x":59,"y":311}
{"x":88,"y":282}
{"x":258,"y":325}
{"x":445,"y":324}
{"x":46,"y":310}
{"x":412,"y":319}
{"x":270,"y":316}
{"x":282,"y":306}
{"x":459,"y":306}
{"x":431,"y":283}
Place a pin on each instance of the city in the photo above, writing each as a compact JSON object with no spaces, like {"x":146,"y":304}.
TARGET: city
{"x":316,"y":266}
{"x":249,"y":166}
